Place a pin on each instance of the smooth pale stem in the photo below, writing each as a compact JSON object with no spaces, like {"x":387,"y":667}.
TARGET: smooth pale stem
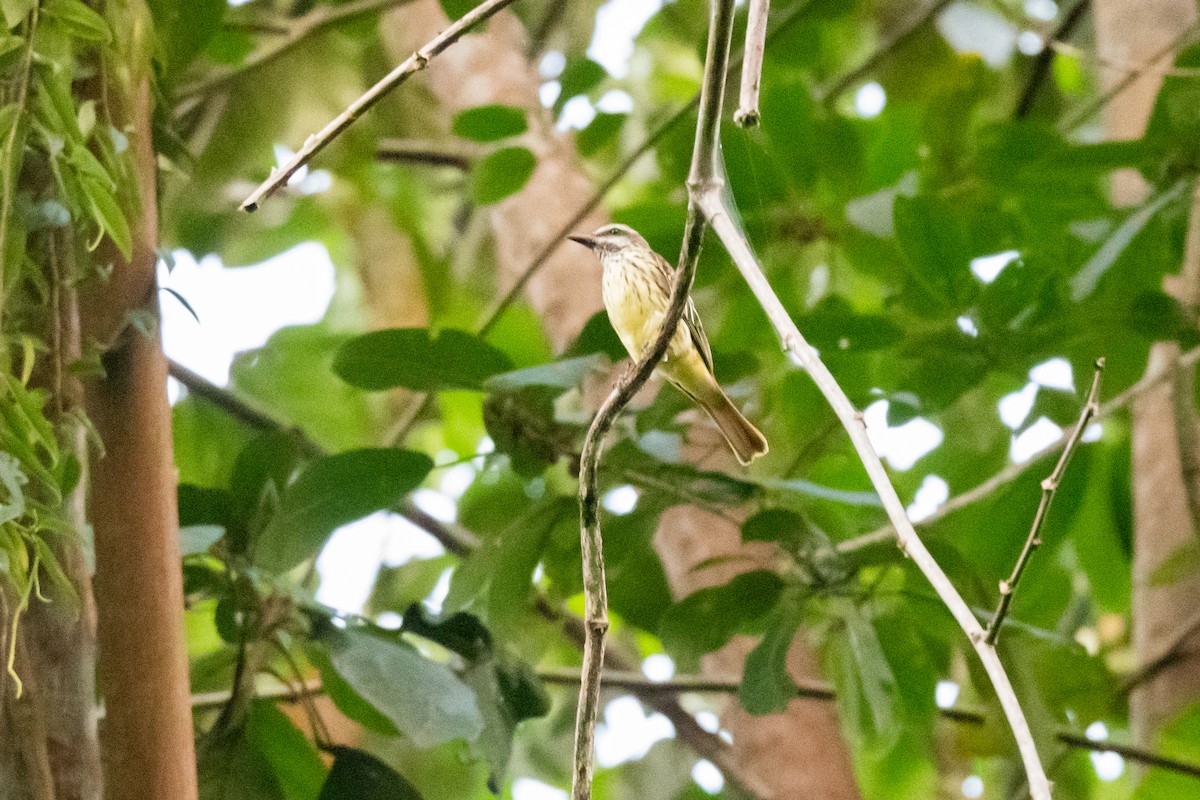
{"x":747,"y":114}
{"x":739,"y":249}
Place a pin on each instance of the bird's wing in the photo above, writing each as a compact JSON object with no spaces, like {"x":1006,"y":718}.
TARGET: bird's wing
{"x":663,"y":276}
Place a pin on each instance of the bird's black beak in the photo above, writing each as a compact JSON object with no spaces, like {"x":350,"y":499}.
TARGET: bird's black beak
{"x":587,"y":241}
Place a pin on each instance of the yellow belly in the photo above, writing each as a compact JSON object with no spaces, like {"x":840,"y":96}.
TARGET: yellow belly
{"x":635,"y":309}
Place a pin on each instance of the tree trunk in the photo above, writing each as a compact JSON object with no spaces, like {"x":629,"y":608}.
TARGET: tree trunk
{"x":1133,"y":32}
{"x":147,"y":744}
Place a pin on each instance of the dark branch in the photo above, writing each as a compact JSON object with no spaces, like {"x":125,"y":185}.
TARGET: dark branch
{"x":1049,"y":486}
{"x":1045,"y":59}
{"x":430,"y":154}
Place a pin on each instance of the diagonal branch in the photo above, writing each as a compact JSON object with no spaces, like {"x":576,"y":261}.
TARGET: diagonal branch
{"x":747,"y":115}
{"x":702,"y":177}
{"x":712,"y":203}
{"x":1045,"y":59}
{"x":1049,"y":487}
{"x":1015,"y":470}
{"x":412,"y":65}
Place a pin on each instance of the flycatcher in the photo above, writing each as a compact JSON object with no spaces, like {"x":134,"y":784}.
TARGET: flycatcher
{"x":637,"y":292}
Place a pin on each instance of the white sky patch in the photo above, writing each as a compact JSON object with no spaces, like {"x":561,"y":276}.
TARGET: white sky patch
{"x":988,"y":268}
{"x":904,"y":445}
{"x":303,"y":180}
{"x":551,"y":65}
{"x":577,"y":113}
{"x":1092,"y":433}
{"x":971,"y":28}
{"x":1034,"y":439}
{"x":455,"y":480}
{"x":1054,"y":374}
{"x":435,"y":504}
{"x":618,"y":22}
{"x":620,"y":500}
{"x":441,"y":590}
{"x":530,"y":789}
{"x":1108,"y":766}
{"x":972,"y":786}
{"x":933,"y":492}
{"x":1030,"y":43}
{"x":708,"y":721}
{"x":1043,"y":10}
{"x":707,"y":776}
{"x":349,"y":562}
{"x":1014,"y":407}
{"x":658,"y":667}
{"x":405,"y":541}
{"x":1097,"y":731}
{"x":967,"y":326}
{"x":627,"y":733}
{"x":615,"y":101}
{"x":390,"y":620}
{"x":945,"y":695}
{"x":548,"y":92}
{"x":240,"y":308}
{"x":870,"y":100}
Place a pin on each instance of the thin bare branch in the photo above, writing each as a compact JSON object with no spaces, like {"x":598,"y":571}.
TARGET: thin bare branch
{"x":747,"y":114}
{"x":1151,"y":669}
{"x":702,"y":175}
{"x":412,"y":65}
{"x":1008,"y":587}
{"x":425,"y":153}
{"x":918,"y":21}
{"x":712,"y":202}
{"x":1013,"y":471}
{"x":1088,"y":111}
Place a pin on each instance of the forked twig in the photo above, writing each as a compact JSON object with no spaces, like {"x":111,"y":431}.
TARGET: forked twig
{"x":411,"y":65}
{"x":1049,"y":486}
{"x":747,"y":114}
{"x":703,"y":174}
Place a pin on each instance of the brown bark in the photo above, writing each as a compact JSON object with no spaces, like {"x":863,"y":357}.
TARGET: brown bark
{"x":801,"y":752}
{"x":1132,"y":31}
{"x":147,"y":745}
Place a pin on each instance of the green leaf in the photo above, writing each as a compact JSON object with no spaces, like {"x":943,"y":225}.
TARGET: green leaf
{"x":490,"y":123}
{"x":558,"y":374}
{"x":108,"y":215}
{"x":423,"y":699}
{"x":602,"y":130}
{"x":295,"y":763}
{"x":502,"y":173}
{"x":1182,"y":563}
{"x":1084,"y":282}
{"x":598,"y":336}
{"x":767,"y":687}
{"x":457,"y":9}
{"x":184,"y":28}
{"x":707,"y":619}
{"x":344,"y":697}
{"x":580,"y":77}
{"x":356,"y":774}
{"x":79,"y":20}
{"x":936,"y":250}
{"x":331,"y":492}
{"x":15,"y":11}
{"x":411,"y":358}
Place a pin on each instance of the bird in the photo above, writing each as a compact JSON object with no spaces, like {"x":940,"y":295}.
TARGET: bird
{"x":637,"y":292}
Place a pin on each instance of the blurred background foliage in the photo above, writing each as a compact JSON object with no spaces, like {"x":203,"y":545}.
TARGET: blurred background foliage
{"x":935,"y":236}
